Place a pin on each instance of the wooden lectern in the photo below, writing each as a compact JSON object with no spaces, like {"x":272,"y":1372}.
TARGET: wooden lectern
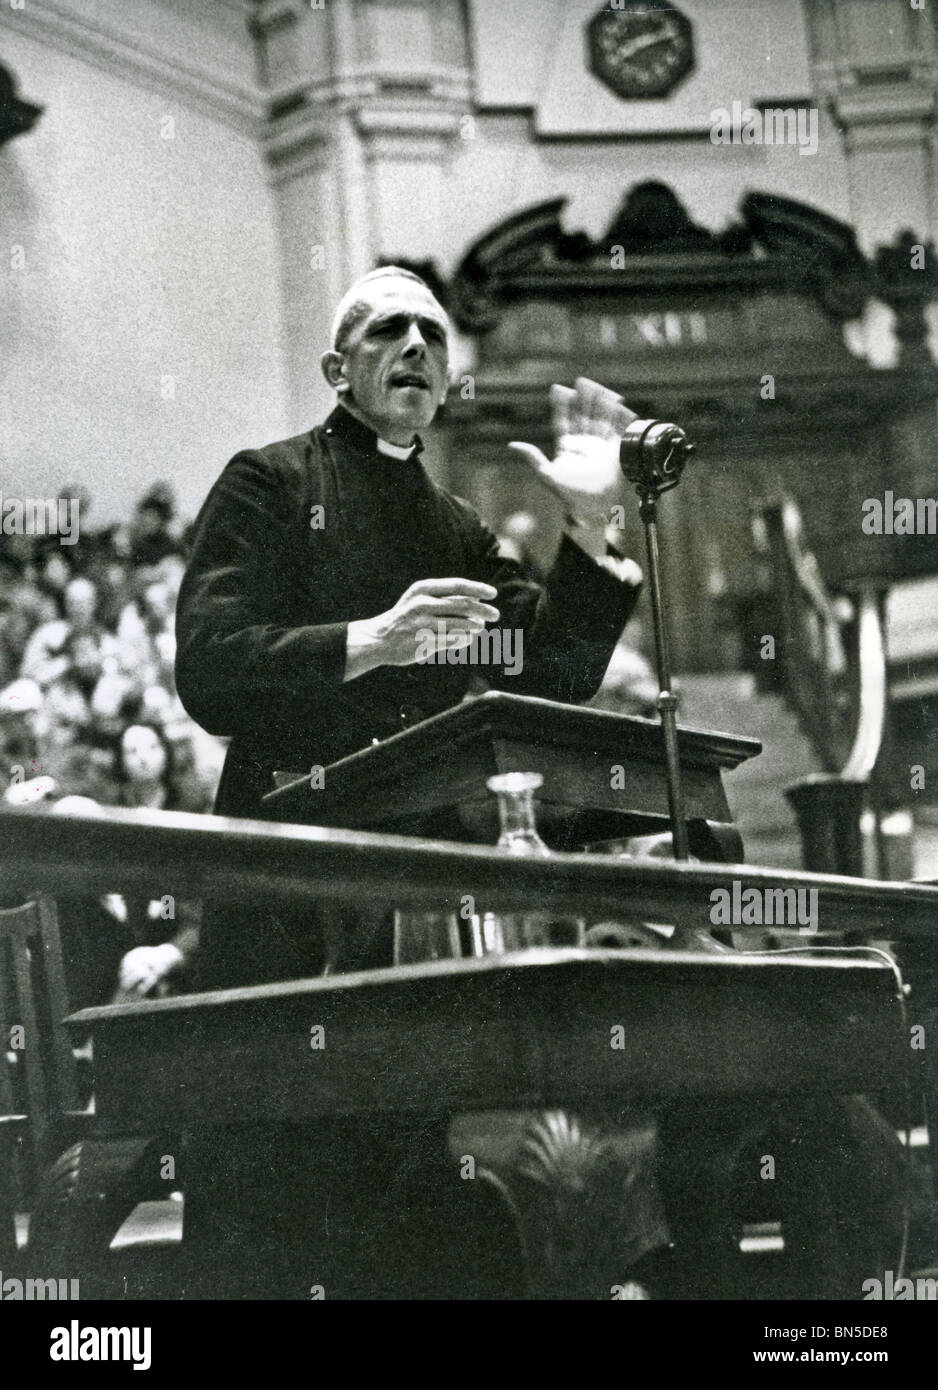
{"x":603,"y":777}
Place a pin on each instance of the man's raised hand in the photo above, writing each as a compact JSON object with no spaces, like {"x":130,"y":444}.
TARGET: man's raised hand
{"x":588,"y":422}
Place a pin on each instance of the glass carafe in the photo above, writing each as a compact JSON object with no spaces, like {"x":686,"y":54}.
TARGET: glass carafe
{"x":515,"y":792}
{"x":513,"y":931}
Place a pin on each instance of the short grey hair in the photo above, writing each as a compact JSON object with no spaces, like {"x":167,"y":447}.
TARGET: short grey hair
{"x":353,"y":306}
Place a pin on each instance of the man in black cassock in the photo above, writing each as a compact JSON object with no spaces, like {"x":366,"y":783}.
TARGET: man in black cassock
{"x":321,"y":564}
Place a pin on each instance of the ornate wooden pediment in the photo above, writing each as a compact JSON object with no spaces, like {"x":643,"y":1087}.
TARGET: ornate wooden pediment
{"x":665,"y":303}
{"x":738,"y":335}
{"x":774,"y":242}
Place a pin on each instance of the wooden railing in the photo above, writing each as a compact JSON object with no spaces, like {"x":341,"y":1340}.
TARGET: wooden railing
{"x":159,"y":852}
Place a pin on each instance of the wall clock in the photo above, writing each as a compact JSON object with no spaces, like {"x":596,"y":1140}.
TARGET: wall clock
{"x":641,"y":48}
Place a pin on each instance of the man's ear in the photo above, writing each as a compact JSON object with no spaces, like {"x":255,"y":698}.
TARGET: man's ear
{"x":333,"y":369}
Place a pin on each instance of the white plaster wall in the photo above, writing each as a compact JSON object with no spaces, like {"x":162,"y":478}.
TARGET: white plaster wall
{"x":146,"y":259}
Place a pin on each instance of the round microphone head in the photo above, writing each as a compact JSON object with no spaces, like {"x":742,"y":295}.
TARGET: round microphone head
{"x":653,"y":453}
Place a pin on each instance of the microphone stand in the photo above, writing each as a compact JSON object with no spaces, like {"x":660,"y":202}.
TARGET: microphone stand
{"x":652,"y":455}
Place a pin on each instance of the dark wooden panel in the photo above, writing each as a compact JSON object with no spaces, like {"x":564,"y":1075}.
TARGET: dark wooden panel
{"x":534,"y":1029}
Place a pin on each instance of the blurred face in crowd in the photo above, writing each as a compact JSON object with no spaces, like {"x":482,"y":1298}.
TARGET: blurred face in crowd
{"x":390,"y":365}
{"x":81,"y":600}
{"x":143,"y":754}
{"x":149,"y":521}
{"x":55,"y":572}
{"x":157,"y":606}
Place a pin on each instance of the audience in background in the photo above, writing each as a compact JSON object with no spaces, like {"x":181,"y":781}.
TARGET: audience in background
{"x":87,"y":647}
{"x":76,"y":648}
{"x":89,"y":716}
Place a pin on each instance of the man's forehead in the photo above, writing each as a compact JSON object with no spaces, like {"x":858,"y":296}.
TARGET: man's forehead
{"x":402,"y":297}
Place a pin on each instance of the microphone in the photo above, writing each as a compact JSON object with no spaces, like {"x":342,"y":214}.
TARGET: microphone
{"x":653,"y":453}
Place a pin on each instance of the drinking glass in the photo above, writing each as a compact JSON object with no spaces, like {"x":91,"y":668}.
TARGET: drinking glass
{"x":420,"y":936}
{"x":494,"y":932}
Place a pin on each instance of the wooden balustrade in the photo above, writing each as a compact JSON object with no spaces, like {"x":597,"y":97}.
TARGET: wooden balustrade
{"x":160,"y":852}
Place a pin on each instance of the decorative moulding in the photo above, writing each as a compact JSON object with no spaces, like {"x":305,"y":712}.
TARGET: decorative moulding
{"x":297,"y":144}
{"x":401,"y":131}
{"x":237,"y":105}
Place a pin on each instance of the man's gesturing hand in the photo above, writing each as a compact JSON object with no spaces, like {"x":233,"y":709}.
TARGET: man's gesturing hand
{"x":145,"y":966}
{"x":442,"y":614}
{"x":588,"y":422}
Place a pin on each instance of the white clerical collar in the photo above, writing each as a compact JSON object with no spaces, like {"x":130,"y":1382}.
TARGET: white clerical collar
{"x":394,"y":451}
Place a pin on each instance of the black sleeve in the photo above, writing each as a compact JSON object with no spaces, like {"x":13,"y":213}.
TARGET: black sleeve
{"x":238,"y":666}
{"x":570,"y":625}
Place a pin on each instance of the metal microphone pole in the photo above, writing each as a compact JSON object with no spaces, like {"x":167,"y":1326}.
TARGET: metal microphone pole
{"x":652,"y":455}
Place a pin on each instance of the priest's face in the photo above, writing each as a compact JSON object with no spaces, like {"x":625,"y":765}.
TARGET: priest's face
{"x":392,"y":365}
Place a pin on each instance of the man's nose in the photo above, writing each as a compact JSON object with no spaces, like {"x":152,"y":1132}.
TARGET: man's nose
{"x":415,"y":343}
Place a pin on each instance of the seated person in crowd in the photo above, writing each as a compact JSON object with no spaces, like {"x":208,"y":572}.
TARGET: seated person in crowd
{"x":115,"y":947}
{"x":23,"y":608}
{"x":153,"y":534}
{"x":76,"y":646}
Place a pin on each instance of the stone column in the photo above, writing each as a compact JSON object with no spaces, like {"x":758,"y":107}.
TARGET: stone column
{"x":366,"y":99}
{"x":876,"y":67}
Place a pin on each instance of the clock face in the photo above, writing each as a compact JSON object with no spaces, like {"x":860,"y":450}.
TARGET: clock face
{"x":641,"y":49}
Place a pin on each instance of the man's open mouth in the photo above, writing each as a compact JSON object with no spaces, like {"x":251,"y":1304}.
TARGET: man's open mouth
{"x":407,"y":379}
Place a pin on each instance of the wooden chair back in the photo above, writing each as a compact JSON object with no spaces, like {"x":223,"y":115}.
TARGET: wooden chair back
{"x":38,"y":1082}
